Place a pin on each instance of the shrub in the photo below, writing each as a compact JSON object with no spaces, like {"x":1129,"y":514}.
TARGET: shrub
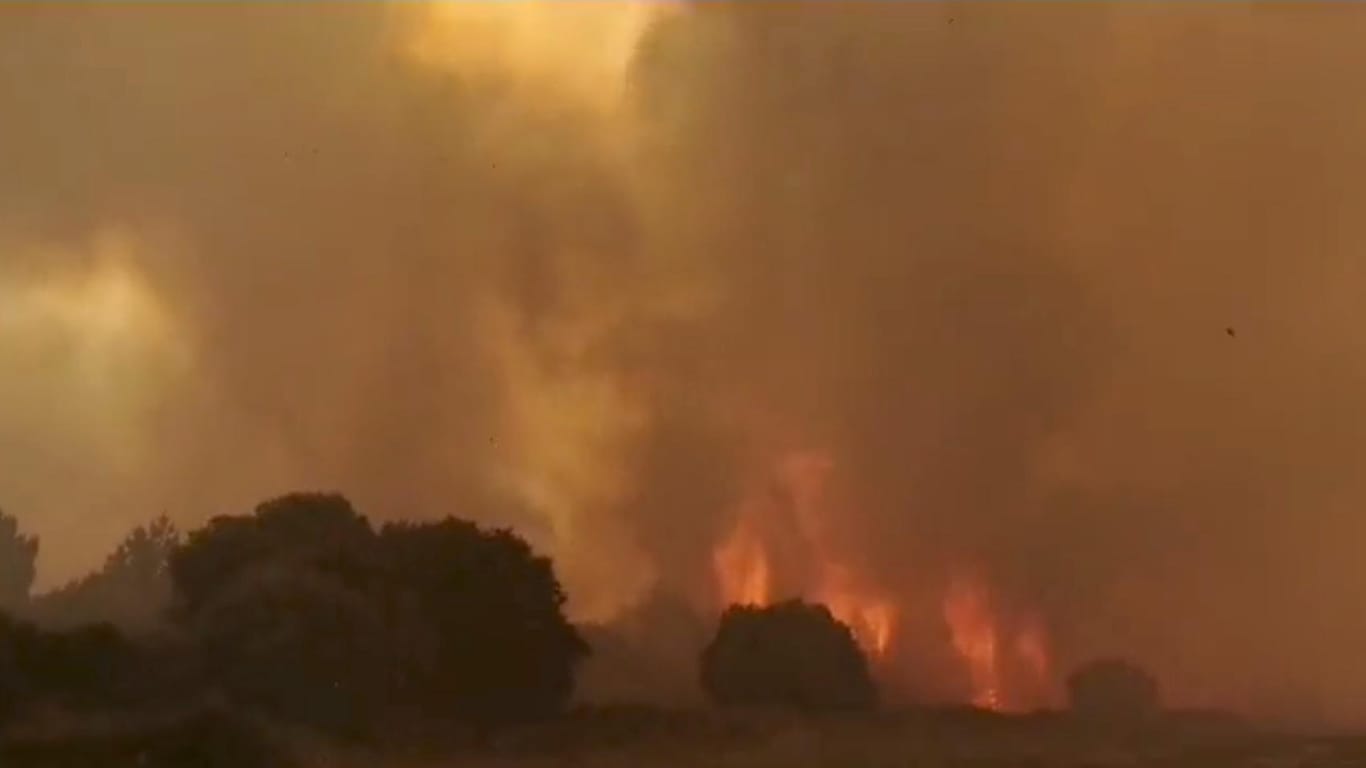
{"x":302,"y":611}
{"x":488,"y":641}
{"x":792,"y":655}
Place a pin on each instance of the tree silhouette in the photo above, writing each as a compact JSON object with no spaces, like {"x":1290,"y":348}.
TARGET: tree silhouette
{"x":18,"y":564}
{"x":302,"y":610}
{"x":307,"y":530}
{"x":1113,"y":690}
{"x":494,"y":644}
{"x":131,"y":590}
{"x":792,"y":655}
{"x":286,"y":611}
{"x":88,"y":668}
{"x":299,"y":645}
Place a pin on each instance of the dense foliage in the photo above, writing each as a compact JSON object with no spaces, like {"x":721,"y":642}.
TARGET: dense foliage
{"x":309,"y":613}
{"x":792,"y":655}
{"x":18,"y":563}
{"x":302,"y":612}
{"x":93,"y":667}
{"x":131,"y":590}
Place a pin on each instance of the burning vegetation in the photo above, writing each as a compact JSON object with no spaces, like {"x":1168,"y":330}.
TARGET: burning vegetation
{"x":760,"y":563}
{"x":919,"y":312}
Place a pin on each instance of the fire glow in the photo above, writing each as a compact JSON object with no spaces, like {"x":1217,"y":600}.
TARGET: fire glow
{"x":1006,"y":663}
{"x":991,"y":654}
{"x":973,"y":630}
{"x":742,"y":567}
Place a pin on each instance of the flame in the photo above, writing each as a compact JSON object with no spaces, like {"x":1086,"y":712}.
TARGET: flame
{"x":977,"y":636}
{"x":972,"y":627}
{"x":788,"y":535}
{"x":743,"y":569}
{"x":741,"y":565}
{"x":870,"y":619}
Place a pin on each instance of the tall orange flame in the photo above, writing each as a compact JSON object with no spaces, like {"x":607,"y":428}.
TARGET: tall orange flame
{"x":972,"y":627}
{"x":741,"y":566}
{"x":741,"y":560}
{"x":993,"y":655}
{"x":790,"y":515}
{"x":870,"y":619}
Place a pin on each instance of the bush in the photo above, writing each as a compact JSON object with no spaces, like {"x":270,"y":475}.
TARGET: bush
{"x":298,"y":646}
{"x":792,"y":655}
{"x":487,"y":638}
{"x":91,"y":667}
{"x":302,"y":611}
{"x":1113,"y":690}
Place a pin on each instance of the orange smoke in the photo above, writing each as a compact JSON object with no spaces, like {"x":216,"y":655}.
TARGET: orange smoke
{"x":1031,"y":645}
{"x":741,"y":566}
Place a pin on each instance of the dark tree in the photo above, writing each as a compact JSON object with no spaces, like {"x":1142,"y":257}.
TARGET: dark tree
{"x":15,"y":685}
{"x":143,"y":557}
{"x":299,"y":645}
{"x":18,"y":564}
{"x":92,"y":667}
{"x":492,"y":644}
{"x":132,"y":590}
{"x":287,"y":610}
{"x":793,"y":655}
{"x":1113,"y":690}
{"x":305,"y":530}
{"x":303,"y":611}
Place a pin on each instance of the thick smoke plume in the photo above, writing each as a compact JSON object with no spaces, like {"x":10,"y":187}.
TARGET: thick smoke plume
{"x":1069,"y":298}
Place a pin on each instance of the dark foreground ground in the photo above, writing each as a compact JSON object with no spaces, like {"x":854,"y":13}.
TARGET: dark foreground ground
{"x":647,"y":739}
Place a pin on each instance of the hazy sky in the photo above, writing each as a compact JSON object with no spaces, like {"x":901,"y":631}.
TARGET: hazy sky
{"x":981,"y":257}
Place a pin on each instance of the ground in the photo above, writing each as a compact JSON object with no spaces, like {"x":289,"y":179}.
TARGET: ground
{"x":652,"y":739}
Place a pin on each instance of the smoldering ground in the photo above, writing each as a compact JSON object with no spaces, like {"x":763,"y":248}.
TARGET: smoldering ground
{"x":981,"y":257}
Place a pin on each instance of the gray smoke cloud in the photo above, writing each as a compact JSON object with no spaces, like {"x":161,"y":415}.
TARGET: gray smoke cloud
{"x":985,"y":258}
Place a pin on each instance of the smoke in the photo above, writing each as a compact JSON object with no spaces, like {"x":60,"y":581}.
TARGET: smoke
{"x":1068,"y":296}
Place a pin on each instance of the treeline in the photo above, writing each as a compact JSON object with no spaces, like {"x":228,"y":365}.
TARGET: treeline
{"x":301,"y":611}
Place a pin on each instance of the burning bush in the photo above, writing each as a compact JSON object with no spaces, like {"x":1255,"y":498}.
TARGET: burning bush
{"x":1113,"y":690}
{"x":792,"y":655}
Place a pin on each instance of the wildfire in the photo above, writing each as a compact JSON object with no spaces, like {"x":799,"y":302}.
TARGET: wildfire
{"x":787,"y":540}
{"x":870,"y":619}
{"x":976,"y":634}
{"x":741,"y":565}
{"x":795,"y":494}
{"x":973,"y":630}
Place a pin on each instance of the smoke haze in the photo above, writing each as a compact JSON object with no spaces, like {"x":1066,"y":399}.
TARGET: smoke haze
{"x":1069,"y":297}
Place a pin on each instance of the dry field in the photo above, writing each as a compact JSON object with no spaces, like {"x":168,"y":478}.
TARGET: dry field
{"x":643,"y":739}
